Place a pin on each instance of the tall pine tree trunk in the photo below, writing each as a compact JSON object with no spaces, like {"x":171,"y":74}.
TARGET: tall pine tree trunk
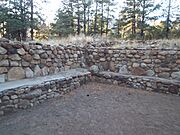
{"x":134,"y":18}
{"x":102,"y":18}
{"x":142,"y":20}
{"x":32,"y":20}
{"x":71,"y":14}
{"x":88,"y":21}
{"x":107,"y":21}
{"x":78,"y":28}
{"x":24,"y":29}
{"x":84,"y":18}
{"x":95,"y":21}
{"x":168,"y":19}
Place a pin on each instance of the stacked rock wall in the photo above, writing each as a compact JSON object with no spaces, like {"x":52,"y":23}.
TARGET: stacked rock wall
{"x":139,"y":82}
{"x":27,"y":96}
{"x":18,"y":61}
{"x":163,"y":63}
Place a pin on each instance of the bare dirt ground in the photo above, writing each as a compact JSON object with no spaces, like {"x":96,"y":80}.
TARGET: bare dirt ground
{"x":98,"y":109}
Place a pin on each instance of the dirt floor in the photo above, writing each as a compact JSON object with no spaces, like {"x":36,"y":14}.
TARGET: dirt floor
{"x":98,"y":109}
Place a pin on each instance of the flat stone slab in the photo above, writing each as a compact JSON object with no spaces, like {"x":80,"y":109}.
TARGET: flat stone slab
{"x":38,"y":80}
{"x":108,"y":74}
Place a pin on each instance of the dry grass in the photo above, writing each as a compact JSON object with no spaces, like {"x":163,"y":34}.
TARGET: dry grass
{"x":166,"y":44}
{"x":79,"y":40}
{"x":70,"y":40}
{"x":82,"y":40}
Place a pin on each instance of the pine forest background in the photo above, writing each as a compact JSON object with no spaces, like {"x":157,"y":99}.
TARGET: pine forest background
{"x":137,"y":19}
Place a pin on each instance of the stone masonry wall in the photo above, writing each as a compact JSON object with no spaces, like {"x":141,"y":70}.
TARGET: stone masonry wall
{"x":28,"y":96}
{"x":139,"y":82}
{"x":142,"y":62}
{"x":18,"y":61}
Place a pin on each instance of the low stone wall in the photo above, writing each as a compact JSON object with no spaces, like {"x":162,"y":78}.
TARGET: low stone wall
{"x":163,"y":63}
{"x":28,"y":96}
{"x":139,"y":82}
{"x":19,"y":61}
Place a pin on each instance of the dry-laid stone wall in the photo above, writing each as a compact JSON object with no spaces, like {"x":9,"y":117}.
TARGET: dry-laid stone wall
{"x":139,"y":82}
{"x":27,"y":96}
{"x":163,"y":63}
{"x":18,"y":61}
{"x":138,"y":68}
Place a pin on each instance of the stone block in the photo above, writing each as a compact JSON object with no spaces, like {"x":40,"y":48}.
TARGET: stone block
{"x":112,"y":66}
{"x":14,"y":97}
{"x":176,"y":75}
{"x":14,"y":63}
{"x":14,"y":57}
{"x":147,"y":61}
{"x":94,"y":69}
{"x":29,"y":73}
{"x":138,"y":71}
{"x":27,"y":57}
{"x":3,"y":70}
{"x":45,"y":71}
{"x":21,"y":51}
{"x":135,"y":65}
{"x":164,"y":75}
{"x":123,"y":69}
{"x":4,"y":63}
{"x":16,"y":73}
{"x":2,"y":50}
{"x":102,"y":59}
{"x":37,"y":71}
{"x":2,"y":78}
{"x":33,"y":94}
{"x":36,"y":57}
{"x":150,"y":73}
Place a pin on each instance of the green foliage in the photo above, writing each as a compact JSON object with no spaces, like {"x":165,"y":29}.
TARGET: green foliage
{"x":15,"y":18}
{"x":137,"y":19}
{"x":63,"y":25}
{"x":83,"y":16}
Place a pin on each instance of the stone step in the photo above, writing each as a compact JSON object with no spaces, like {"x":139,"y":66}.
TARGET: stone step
{"x":38,"y":80}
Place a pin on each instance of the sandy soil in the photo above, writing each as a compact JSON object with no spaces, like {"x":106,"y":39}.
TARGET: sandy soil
{"x":98,"y":109}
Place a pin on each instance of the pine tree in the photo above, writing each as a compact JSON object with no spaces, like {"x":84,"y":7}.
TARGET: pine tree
{"x":171,"y":12}
{"x":95,"y":17}
{"x":63,"y":24}
{"x":130,"y":14}
{"x":17,"y":18}
{"x":146,"y":8}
